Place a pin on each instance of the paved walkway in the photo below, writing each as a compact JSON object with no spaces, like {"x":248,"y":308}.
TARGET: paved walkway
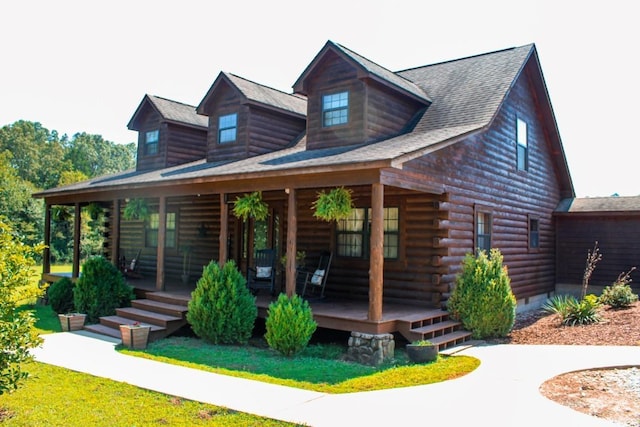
{"x":503,"y":391}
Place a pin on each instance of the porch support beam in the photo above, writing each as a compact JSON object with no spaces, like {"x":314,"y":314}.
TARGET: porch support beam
{"x":292,"y":237}
{"x":77,"y":222}
{"x":376,"y":255}
{"x":115,"y":232}
{"x":224,"y":230}
{"x":162,"y":233}
{"x":46,"y":254}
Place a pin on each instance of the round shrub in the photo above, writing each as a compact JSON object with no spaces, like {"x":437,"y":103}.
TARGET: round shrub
{"x":60,"y":295}
{"x":618,"y":295}
{"x":100,"y":289}
{"x":482,"y":299}
{"x":222,"y":309}
{"x":289,"y":324}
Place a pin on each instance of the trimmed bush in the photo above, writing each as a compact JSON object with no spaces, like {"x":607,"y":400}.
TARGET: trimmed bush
{"x":482,"y":299}
{"x":60,"y":295}
{"x":100,"y":289}
{"x":222,"y":309}
{"x":289,"y":324}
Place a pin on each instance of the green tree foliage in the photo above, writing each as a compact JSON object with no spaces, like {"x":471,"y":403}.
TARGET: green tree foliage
{"x":222,"y":310}
{"x":17,"y":332}
{"x":60,"y":295}
{"x":289,"y":324}
{"x":100,"y":289}
{"x":94,"y":156}
{"x":482,"y":299}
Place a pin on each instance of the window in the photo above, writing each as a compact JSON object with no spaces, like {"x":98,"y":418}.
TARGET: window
{"x":483,"y":231}
{"x":521,"y":138}
{"x":151,"y":142}
{"x":227,"y":128}
{"x":335,"y":109}
{"x":353,"y":233}
{"x":151,"y":232}
{"x":534,"y":233}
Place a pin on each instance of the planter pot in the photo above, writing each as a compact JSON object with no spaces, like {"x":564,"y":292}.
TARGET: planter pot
{"x":422,"y":353}
{"x":135,"y":337}
{"x":72,"y":321}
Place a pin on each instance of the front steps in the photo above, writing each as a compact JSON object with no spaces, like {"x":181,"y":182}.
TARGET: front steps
{"x":165,"y":313}
{"x":435,"y":326}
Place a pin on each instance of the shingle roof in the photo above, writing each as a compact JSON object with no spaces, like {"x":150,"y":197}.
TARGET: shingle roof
{"x":265,"y":95}
{"x":600,"y":204}
{"x":178,"y":112}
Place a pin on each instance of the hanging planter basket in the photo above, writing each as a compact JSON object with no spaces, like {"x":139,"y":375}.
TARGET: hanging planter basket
{"x":334,"y":205}
{"x":136,"y":209}
{"x":251,"y":205}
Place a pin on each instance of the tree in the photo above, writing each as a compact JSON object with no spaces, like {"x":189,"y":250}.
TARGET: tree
{"x":94,"y":156}
{"x":17,"y":331}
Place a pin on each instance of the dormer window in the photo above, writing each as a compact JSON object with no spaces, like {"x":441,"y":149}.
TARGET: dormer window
{"x":335,"y":109}
{"x":227,"y":128}
{"x":521,"y":143}
{"x":151,"y":142}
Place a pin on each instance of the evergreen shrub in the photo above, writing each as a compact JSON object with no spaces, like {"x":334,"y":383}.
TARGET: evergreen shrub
{"x":222,"y":309}
{"x":289,"y":324}
{"x":100,"y":289}
{"x":482,"y":299}
{"x":60,"y":295}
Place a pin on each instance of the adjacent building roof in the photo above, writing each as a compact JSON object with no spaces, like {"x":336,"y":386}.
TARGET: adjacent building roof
{"x":600,"y":205}
{"x":170,"y":111}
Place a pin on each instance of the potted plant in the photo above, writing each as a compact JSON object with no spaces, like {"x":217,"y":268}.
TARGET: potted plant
{"x":72,"y":321}
{"x":251,"y":205}
{"x":135,"y":335}
{"x":136,"y":209}
{"x":300,"y":260}
{"x":422,"y":351}
{"x":334,"y":205}
{"x":186,"y":263}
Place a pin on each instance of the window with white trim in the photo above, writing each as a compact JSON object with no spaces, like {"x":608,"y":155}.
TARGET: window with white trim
{"x":227,"y":128}
{"x":335,"y":109}
{"x":151,"y":139}
{"x":151,"y":230}
{"x":353,"y":233}
{"x":522,"y":145}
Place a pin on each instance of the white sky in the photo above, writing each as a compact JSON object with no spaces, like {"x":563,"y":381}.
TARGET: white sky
{"x":84,"y":66}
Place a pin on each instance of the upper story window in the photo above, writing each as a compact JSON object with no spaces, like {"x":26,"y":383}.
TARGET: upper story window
{"x":522,"y":146}
{"x":227,"y":128}
{"x":335,"y":109}
{"x":151,"y":139}
{"x":151,"y":231}
{"x":353,"y":233}
{"x":483,"y":230}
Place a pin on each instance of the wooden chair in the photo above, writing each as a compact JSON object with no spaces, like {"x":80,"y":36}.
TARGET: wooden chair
{"x":312,"y":283}
{"x":263,"y":273}
{"x":131,"y":269}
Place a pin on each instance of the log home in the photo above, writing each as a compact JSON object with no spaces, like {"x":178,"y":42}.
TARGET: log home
{"x":441,"y":160}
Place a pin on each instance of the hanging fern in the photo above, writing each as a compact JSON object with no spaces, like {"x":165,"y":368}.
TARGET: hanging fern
{"x":334,"y":205}
{"x":251,"y":205}
{"x":136,"y":209}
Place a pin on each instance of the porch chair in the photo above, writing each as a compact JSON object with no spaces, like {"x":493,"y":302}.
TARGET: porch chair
{"x":263,"y":273}
{"x":131,"y":269}
{"x":312,"y":283}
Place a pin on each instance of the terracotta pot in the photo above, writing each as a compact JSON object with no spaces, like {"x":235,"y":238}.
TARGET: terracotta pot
{"x":72,"y":321}
{"x":422,"y":353}
{"x":135,"y":337}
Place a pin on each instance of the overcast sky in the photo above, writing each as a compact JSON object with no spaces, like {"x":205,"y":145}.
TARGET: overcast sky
{"x":84,"y":66}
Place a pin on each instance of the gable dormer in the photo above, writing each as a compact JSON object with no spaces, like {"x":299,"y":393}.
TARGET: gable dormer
{"x":169,"y":133}
{"x":247,"y":119}
{"x":351,"y":100}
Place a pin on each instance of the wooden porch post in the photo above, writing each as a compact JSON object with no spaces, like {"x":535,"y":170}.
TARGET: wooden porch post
{"x":115,"y":233}
{"x":77,"y":222}
{"x":376,"y":256}
{"x":224,"y":230}
{"x":292,"y":237}
{"x":162,"y":233}
{"x":46,"y":254}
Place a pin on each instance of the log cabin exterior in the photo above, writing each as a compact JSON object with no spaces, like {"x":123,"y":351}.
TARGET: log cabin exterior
{"x":442,"y":159}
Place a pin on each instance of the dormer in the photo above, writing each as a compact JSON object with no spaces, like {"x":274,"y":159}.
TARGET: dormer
{"x":169,"y":133}
{"x":351,"y":100}
{"x":247,"y":119}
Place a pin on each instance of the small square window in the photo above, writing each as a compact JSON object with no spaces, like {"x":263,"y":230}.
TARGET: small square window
{"x":335,"y":109}
{"x":227,"y":128}
{"x":151,"y":142}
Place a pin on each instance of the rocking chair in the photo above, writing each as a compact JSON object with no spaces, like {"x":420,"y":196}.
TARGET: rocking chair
{"x":312,"y":287}
{"x":263,"y":274}
{"x":131,"y":269}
